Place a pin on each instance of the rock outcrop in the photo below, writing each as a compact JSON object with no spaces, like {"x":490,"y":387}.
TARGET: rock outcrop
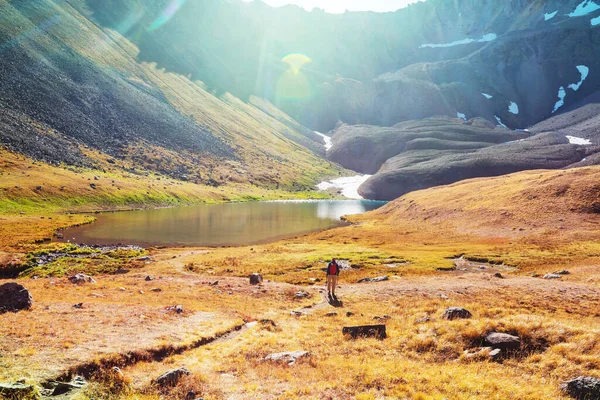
{"x":582,"y":388}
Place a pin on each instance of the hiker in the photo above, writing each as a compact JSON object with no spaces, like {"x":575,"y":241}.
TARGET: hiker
{"x":333,"y":271}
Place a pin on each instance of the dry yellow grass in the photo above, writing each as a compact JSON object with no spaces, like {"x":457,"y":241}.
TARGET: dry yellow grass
{"x":407,"y":240}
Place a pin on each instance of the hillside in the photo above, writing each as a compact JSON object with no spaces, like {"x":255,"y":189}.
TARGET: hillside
{"x":83,"y":87}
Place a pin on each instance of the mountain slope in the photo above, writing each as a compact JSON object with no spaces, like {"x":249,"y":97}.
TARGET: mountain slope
{"x":351,"y":59}
{"x":85,"y":86}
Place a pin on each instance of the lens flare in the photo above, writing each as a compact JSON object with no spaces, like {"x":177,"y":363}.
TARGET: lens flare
{"x":293,"y":84}
{"x":167,"y":14}
{"x":296,"y":62}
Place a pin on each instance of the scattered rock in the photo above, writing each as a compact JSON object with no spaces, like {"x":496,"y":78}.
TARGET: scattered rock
{"x":552,"y":276}
{"x":301,"y":295}
{"x":18,"y":390}
{"x":382,"y":318}
{"x":456,"y":313}
{"x":177,"y":309}
{"x":331,"y":314}
{"x":145,"y":258}
{"x":376,"y":331}
{"x":288,"y":357}
{"x":93,"y":185}
{"x":377,"y":279}
{"x":349,"y":314}
{"x":156,"y":290}
{"x":503,"y":341}
{"x":268,"y":322}
{"x":483,"y":353}
{"x":423,"y":320}
{"x":149,"y":278}
{"x":256,"y":279}
{"x":452,"y":313}
{"x":582,"y":388}
{"x":14,"y":297}
{"x":498,"y":275}
{"x":78,"y":305}
{"x":82,"y":278}
{"x":563,"y":272}
{"x":171,"y":378}
{"x":65,"y":387}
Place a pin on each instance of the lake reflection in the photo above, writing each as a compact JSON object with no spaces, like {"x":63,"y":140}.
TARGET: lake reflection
{"x":217,"y":224}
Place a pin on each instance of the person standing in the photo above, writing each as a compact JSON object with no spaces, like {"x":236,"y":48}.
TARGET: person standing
{"x":333,"y":271}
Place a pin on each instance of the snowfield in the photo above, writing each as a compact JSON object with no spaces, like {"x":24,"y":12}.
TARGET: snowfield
{"x":584,"y":71}
{"x":485,"y":38}
{"x":578,"y":140}
{"x":327,"y":139}
{"x":348,"y":184}
{"x":513,"y":108}
{"x":584,"y":8}
{"x":562,"y":93}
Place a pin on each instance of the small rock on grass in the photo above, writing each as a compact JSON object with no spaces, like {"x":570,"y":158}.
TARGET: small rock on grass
{"x":503,"y":341}
{"x":376,"y":279}
{"x":582,"y":388}
{"x":552,"y":276}
{"x":256,"y":279}
{"x":171,"y":378}
{"x":82,"y":278}
{"x":288,"y":357}
{"x":563,"y":272}
{"x":452,"y":313}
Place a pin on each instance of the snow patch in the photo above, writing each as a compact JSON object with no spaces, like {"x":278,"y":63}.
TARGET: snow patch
{"x":551,"y":15}
{"x":584,"y":71}
{"x":348,"y":184}
{"x":584,"y":8}
{"x":513,"y":108}
{"x":327,"y":139}
{"x":487,"y":96}
{"x":578,"y":140}
{"x":562,"y":93}
{"x":500,"y":122}
{"x":485,"y":38}
{"x":461,"y":116}
{"x":595,"y":21}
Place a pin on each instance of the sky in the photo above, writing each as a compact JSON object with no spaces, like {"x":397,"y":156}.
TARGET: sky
{"x":340,"y":6}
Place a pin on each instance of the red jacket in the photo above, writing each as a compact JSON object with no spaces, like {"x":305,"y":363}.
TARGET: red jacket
{"x":333,"y":269}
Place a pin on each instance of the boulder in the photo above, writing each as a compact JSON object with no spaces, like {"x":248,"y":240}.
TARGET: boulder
{"x":498,"y":275}
{"x":582,"y":387}
{"x":256,"y":279}
{"x":503,"y":341}
{"x":82,"y":278}
{"x":456,"y":313}
{"x":14,"y":297}
{"x":171,"y":378}
{"x":288,"y":357}
{"x":18,"y":390}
